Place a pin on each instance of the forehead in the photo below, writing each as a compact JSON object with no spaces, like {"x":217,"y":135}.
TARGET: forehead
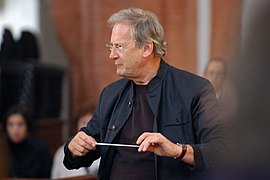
{"x":216,"y":65}
{"x":16,"y":118}
{"x":121,"y":32}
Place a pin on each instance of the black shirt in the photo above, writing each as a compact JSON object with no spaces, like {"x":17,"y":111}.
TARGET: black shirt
{"x":128,"y":163}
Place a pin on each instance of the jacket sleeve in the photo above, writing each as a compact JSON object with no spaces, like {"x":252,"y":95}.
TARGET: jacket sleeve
{"x":209,"y":128}
{"x":83,"y":161}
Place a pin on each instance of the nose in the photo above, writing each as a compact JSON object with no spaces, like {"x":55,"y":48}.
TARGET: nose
{"x":113,"y":54}
{"x":215,"y":76}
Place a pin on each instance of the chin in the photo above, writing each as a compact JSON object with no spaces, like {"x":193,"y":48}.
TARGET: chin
{"x":120,"y":73}
{"x":16,"y":141}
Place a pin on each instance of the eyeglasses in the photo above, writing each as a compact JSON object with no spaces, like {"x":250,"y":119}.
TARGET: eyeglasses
{"x":119,"y":48}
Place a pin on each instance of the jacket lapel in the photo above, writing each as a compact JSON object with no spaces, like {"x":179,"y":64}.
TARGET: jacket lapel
{"x":119,"y":118}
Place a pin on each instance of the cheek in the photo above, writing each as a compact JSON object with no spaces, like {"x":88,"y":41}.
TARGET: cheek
{"x":209,"y":78}
{"x":133,"y":63}
{"x":219,"y":81}
{"x":131,"y":58}
{"x":23,"y":131}
{"x":17,"y":132}
{"x":10,"y":131}
{"x":127,"y":63}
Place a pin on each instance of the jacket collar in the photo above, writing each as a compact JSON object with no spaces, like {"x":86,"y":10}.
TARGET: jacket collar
{"x":157,"y":80}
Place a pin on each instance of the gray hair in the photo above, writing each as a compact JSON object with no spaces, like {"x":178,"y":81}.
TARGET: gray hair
{"x":145,"y":28}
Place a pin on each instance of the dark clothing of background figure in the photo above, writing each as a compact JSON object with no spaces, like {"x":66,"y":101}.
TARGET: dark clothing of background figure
{"x":8,"y":49}
{"x":185,"y":111}
{"x":28,"y":49}
{"x":25,"y":49}
{"x":29,"y":159}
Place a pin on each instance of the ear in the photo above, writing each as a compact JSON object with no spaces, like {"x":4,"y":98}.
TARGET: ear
{"x":148,"y":49}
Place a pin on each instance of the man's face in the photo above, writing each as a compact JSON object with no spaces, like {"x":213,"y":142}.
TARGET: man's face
{"x":128,"y":60}
{"x":215,"y":74}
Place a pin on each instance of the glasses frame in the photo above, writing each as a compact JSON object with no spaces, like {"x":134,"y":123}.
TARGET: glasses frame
{"x":119,"y":48}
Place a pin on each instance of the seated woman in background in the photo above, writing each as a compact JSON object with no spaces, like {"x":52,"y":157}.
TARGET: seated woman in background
{"x":84,"y":114}
{"x":28,"y":157}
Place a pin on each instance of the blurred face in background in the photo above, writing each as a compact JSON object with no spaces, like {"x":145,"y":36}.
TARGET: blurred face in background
{"x":83,"y":120}
{"x":16,"y":128}
{"x":215,"y":73}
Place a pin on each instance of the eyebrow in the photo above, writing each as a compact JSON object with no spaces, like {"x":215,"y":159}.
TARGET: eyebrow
{"x":116,"y":44}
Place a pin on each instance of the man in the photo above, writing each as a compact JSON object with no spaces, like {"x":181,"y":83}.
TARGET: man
{"x":154,"y":106}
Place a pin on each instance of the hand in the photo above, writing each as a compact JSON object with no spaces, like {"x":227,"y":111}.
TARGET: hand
{"x":81,"y":144}
{"x":158,"y":144}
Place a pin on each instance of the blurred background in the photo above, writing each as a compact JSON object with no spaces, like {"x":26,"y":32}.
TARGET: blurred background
{"x":53,"y":56}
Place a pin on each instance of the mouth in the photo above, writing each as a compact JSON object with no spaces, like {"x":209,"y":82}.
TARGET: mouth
{"x":118,"y":65}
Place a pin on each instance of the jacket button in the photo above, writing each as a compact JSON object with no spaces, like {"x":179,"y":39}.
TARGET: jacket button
{"x":129,"y":104}
{"x":113,"y":127}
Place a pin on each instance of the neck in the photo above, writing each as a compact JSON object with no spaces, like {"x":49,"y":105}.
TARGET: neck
{"x":149,"y":72}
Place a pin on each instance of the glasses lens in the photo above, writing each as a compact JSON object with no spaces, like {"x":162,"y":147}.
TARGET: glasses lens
{"x":118,"y":47}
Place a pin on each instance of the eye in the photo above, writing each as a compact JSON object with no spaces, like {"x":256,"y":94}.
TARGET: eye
{"x":119,"y":47}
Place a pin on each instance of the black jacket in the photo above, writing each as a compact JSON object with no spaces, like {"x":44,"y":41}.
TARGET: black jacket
{"x":185,"y":110}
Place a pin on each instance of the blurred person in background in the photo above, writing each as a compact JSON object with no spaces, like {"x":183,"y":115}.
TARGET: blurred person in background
{"x":28,"y":157}
{"x":249,"y":156}
{"x":58,"y":169}
{"x":216,"y":72}
{"x":8,"y":50}
{"x":28,"y":47}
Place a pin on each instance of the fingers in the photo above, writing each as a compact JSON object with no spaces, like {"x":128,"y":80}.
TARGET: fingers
{"x":81,"y":144}
{"x":143,"y":137}
{"x":148,"y":141}
{"x":156,"y":143}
